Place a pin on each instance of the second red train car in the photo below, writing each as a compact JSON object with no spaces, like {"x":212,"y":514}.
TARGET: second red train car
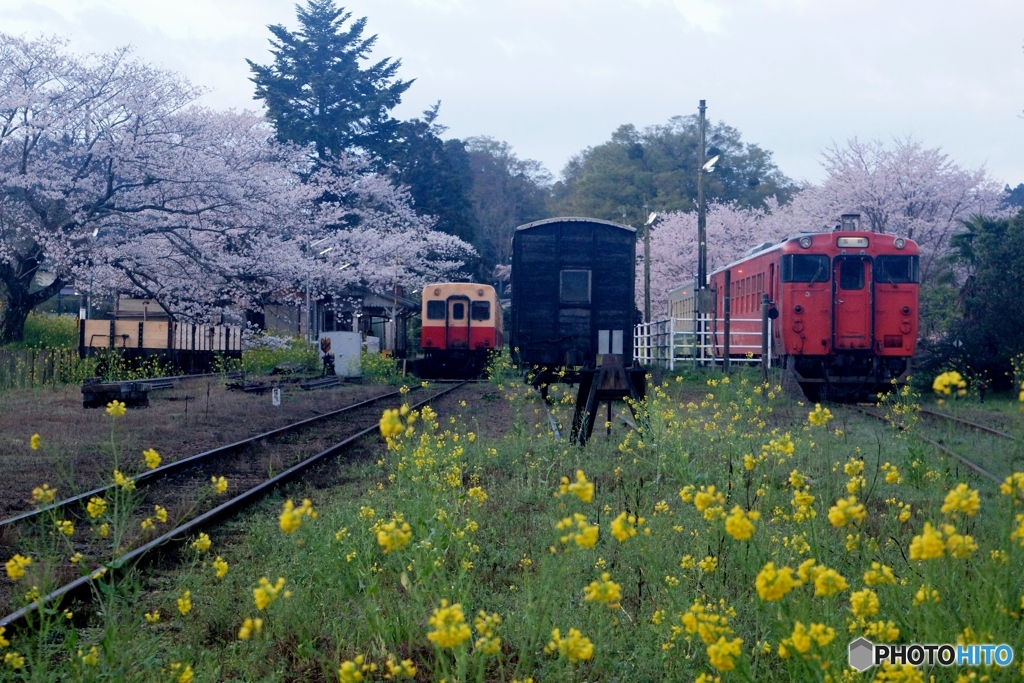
{"x":847,"y":305}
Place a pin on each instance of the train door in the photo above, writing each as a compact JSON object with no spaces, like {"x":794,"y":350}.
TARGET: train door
{"x":851,"y":303}
{"x":457,"y":333}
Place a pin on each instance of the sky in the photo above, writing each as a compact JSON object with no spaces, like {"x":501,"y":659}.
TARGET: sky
{"x":552,"y":77}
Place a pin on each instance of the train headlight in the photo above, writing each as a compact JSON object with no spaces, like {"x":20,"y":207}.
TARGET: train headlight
{"x":899,"y":243}
{"x":805,"y":242}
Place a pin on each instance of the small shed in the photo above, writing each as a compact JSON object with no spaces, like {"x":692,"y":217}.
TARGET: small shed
{"x":573,"y":285}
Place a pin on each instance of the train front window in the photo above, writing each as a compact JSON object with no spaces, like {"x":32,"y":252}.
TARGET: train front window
{"x":458,"y":311}
{"x":851,"y":274}
{"x":897,"y":269}
{"x":480,"y":310}
{"x":575,"y":287}
{"x":805,"y":268}
{"x":435,"y":310}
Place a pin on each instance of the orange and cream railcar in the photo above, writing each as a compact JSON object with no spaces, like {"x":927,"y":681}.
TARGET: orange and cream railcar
{"x":462,"y":327}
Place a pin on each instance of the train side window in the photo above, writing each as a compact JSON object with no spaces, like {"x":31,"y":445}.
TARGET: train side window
{"x":458,"y":311}
{"x":435,"y":310}
{"x":897,"y":269}
{"x":805,"y":268}
{"x":575,"y":287}
{"x":851,"y":274}
{"x":480,"y":310}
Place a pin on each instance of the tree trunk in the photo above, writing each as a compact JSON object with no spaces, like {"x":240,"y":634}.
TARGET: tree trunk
{"x":16,"y":301}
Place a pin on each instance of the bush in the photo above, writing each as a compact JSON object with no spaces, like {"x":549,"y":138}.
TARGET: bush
{"x":380,"y":369}
{"x":47,"y":331}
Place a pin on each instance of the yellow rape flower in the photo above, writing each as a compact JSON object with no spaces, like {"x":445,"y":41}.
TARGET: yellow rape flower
{"x":581,"y":488}
{"x":946,"y":382}
{"x":961,"y":499}
{"x":394,"y":535}
{"x":846,"y":511}
{"x":829,"y":582}
{"x":65,"y":527}
{"x":126,"y":483}
{"x":819,"y":417}
{"x":773,"y":584}
{"x":96,"y":507}
{"x":722,"y":654}
{"x":265,"y":593}
{"x":160,"y":512}
{"x":291,"y":516}
{"x":147,"y":524}
{"x":35,"y":441}
{"x":477,"y":494}
{"x":249,"y":628}
{"x":220,"y":567}
{"x":92,"y":658}
{"x":14,"y":660}
{"x":705,"y":498}
{"x":183,"y":672}
{"x":575,"y":646}
{"x":1014,"y":484}
{"x":16,"y":566}
{"x":202,"y":543}
{"x":185,"y":602}
{"x":220,"y":484}
{"x":864,"y":603}
{"x":152,"y":458}
{"x":486,"y":626}
{"x":43,"y":495}
{"x":740,"y":524}
{"x":103,"y":530}
{"x":354,"y":671}
{"x":391,"y":423}
{"x":3,"y":641}
{"x":928,"y":545}
{"x":152,"y":617}
{"x":399,"y":670}
{"x":116,"y":408}
{"x":450,"y":629}
{"x":625,"y":526}
{"x":878,"y":575}
{"x":604,"y":591}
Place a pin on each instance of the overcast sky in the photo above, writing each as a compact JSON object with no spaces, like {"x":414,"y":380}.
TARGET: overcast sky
{"x":552,"y":77}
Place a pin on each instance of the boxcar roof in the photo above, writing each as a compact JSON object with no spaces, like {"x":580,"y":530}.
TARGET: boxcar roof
{"x":574,"y":219}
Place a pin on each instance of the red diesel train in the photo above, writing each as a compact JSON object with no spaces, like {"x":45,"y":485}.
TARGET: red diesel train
{"x":847,"y":305}
{"x":462,"y":327}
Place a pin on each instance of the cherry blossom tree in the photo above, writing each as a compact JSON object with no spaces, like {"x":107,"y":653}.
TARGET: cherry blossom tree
{"x":113,"y":179}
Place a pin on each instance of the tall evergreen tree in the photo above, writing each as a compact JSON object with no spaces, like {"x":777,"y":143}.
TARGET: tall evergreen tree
{"x":316,"y":90}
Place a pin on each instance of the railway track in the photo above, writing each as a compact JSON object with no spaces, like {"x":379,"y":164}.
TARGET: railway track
{"x":181,"y":483}
{"x":995,"y":455}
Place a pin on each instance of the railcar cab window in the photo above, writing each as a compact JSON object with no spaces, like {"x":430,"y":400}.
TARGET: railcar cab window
{"x":897,"y":269}
{"x":851,"y":274}
{"x":480,"y":310}
{"x":575,"y":287}
{"x":435,"y":310}
{"x":458,"y":311}
{"x":805,"y":268}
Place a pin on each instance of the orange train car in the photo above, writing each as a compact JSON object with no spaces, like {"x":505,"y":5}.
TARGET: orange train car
{"x":847,"y":307}
{"x":462,"y":327}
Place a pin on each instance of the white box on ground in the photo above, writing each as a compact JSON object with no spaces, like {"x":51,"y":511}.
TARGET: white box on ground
{"x":347,"y":349}
{"x":372,"y":344}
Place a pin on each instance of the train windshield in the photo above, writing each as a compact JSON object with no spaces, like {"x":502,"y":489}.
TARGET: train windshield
{"x":805,"y":268}
{"x":897,"y":269}
{"x":480,"y":310}
{"x":435,"y":310}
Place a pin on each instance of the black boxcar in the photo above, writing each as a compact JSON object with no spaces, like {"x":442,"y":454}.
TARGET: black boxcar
{"x":572,"y":292}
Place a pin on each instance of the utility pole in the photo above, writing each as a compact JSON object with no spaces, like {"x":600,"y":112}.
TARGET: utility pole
{"x":702,"y":246}
{"x":647,"y":265}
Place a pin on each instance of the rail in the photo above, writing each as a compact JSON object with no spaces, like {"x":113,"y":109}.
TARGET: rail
{"x":673,"y":341}
{"x":79,"y":587}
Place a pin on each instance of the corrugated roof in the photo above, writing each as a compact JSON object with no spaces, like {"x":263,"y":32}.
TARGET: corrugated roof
{"x":574,"y":219}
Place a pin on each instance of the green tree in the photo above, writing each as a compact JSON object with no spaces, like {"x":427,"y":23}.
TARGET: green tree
{"x":658,"y":166}
{"x":437,"y":173}
{"x":991,"y":256}
{"x":506,"y":192}
{"x":316,"y":90}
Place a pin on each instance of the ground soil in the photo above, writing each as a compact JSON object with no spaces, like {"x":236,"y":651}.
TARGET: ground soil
{"x":194,"y":416}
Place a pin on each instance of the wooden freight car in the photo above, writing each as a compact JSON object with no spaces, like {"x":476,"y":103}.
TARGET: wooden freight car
{"x":189,"y":347}
{"x":573,"y":309}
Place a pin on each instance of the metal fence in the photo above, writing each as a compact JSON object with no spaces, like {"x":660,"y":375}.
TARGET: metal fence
{"x":673,"y":341}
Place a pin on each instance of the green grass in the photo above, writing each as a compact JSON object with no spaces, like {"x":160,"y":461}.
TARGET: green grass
{"x":505,"y":554}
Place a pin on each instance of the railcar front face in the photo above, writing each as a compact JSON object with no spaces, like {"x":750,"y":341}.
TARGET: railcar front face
{"x":849,"y":304}
{"x":460,"y":317}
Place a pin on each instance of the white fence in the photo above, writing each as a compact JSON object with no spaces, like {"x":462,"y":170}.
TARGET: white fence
{"x":674,"y":341}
